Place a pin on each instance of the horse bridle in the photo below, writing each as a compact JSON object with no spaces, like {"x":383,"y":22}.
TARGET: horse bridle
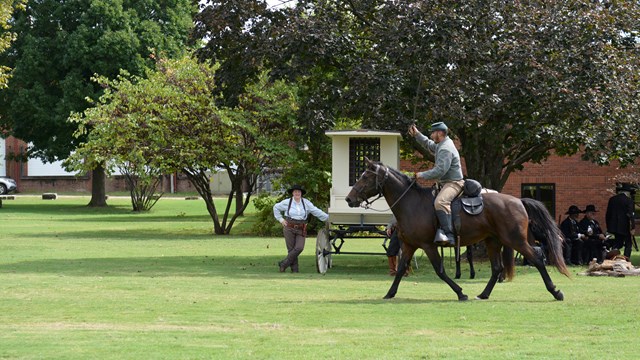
{"x":379,"y":186}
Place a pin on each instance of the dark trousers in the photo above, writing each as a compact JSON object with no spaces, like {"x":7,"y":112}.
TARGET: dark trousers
{"x":576,"y":252}
{"x":592,"y":249}
{"x":572,"y":251}
{"x":394,"y":244}
{"x":294,"y":239}
{"x":623,"y":240}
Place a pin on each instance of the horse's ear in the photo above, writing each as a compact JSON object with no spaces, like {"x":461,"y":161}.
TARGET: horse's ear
{"x":367,"y":161}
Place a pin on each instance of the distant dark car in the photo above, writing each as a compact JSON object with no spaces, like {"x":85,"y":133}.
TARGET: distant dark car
{"x":7,"y":185}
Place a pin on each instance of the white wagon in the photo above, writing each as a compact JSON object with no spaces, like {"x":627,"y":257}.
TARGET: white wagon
{"x":349,"y":148}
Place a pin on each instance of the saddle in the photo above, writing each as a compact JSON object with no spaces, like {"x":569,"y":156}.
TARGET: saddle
{"x":469,"y":200}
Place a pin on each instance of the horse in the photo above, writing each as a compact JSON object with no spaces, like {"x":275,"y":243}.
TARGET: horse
{"x":506,"y":221}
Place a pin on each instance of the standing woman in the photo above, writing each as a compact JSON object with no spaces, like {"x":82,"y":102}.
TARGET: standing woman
{"x":295,"y":209}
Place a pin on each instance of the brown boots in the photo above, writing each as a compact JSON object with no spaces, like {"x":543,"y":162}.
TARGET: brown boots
{"x":393,"y":266}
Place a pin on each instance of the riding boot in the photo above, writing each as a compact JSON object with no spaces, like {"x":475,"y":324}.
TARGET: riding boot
{"x":393,"y":264}
{"x":444,"y":235}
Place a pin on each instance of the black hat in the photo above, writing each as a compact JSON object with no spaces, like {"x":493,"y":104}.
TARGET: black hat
{"x":297,"y":187}
{"x":625,"y":187}
{"x":590,"y":208}
{"x":438,"y":126}
{"x":573,"y":210}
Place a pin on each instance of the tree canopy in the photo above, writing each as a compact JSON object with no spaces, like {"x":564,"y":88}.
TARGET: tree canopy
{"x":60,"y":45}
{"x":7,"y":8}
{"x":245,"y":37}
{"x":513,"y":80}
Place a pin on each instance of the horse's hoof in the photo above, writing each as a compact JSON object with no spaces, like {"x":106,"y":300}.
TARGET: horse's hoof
{"x":482,"y":297}
{"x":463,"y":298}
{"x":558,"y":295}
{"x":387,"y":297}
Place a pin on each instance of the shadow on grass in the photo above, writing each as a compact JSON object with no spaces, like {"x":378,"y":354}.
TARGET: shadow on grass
{"x":51,"y":208}
{"x":124,"y":234}
{"x":111,"y":213}
{"x":259,"y":267}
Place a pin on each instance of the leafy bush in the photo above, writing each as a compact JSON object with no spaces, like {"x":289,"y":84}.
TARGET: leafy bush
{"x":266,"y":224}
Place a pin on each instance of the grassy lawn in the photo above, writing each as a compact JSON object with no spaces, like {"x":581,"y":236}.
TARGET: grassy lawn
{"x":81,"y":283}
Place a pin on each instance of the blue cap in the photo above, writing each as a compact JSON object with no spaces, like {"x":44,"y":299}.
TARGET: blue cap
{"x":438,"y":126}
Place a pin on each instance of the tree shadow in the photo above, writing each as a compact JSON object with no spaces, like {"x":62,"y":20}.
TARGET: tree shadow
{"x":259,"y":267}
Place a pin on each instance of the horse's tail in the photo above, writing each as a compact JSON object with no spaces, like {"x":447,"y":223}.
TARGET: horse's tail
{"x":542,"y":225}
{"x":508,"y":263}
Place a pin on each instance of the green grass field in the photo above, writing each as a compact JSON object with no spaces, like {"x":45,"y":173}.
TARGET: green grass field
{"x":82,"y":283}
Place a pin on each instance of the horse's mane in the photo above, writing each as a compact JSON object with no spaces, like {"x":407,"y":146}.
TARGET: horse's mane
{"x":405,"y":179}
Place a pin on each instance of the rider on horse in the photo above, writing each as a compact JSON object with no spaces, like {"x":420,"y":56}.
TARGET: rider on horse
{"x":447,"y":172}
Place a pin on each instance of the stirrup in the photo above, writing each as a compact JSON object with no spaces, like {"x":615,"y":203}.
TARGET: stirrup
{"x":445,"y":243}
{"x":442,"y":239}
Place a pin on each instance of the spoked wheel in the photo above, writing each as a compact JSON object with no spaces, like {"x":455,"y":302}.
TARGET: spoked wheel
{"x":323,"y":251}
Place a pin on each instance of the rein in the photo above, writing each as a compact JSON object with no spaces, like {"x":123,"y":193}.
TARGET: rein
{"x":379,"y":185}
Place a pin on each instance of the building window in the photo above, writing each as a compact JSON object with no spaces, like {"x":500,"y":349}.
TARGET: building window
{"x":545,"y":193}
{"x":359,"y":148}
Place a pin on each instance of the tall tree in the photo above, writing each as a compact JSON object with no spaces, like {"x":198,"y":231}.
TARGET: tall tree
{"x":61,"y":44}
{"x":170,"y":122}
{"x":244,"y":37}
{"x":513,"y":80}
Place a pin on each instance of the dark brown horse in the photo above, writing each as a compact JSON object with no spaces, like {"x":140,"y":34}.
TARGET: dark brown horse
{"x":505,"y":221}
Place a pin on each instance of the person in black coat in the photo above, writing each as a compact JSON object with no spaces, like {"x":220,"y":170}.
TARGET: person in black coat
{"x":593,"y":245}
{"x":620,"y":218}
{"x":572,"y":249}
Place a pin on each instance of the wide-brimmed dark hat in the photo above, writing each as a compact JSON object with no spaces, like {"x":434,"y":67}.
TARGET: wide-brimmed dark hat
{"x":590,"y":208}
{"x":438,"y":126}
{"x":297,"y":187}
{"x":573,"y":210}
{"x":625,"y":187}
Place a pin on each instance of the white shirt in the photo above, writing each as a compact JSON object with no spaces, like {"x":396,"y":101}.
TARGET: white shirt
{"x":297,"y":211}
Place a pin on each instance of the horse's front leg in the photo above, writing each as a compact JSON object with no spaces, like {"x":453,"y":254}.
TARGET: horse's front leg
{"x":493,"y":250}
{"x":407,"y":255}
{"x":436,"y":261}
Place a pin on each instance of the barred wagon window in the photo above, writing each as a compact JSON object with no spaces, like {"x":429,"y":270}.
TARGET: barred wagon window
{"x":358,"y":149}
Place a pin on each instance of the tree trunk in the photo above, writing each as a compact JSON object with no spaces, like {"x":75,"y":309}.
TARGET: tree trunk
{"x":98,"y":190}
{"x":240,"y":196}
{"x":200,"y":180}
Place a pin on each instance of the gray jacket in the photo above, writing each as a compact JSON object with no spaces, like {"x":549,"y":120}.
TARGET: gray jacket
{"x":447,"y":166}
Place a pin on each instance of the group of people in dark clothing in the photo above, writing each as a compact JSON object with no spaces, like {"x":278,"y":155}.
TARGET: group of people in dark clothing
{"x":585,"y":239}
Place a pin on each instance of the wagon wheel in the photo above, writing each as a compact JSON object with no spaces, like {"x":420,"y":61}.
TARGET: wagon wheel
{"x":323,"y":246}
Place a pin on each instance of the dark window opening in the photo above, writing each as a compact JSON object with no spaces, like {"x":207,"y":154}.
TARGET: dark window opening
{"x":545,"y":193}
{"x":359,"y":148}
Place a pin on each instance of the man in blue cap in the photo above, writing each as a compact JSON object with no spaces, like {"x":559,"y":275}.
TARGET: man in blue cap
{"x":447,"y":172}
